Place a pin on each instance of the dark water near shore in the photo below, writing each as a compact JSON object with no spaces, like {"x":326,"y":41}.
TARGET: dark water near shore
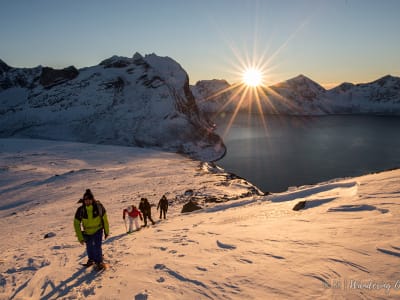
{"x":294,"y":151}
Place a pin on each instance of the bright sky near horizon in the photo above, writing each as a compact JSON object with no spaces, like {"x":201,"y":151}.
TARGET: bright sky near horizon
{"x":328,"y":41}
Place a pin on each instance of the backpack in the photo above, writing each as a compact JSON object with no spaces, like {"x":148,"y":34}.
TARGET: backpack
{"x":98,"y":210}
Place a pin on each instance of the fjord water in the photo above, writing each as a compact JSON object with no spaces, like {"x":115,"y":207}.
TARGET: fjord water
{"x":285,"y":151}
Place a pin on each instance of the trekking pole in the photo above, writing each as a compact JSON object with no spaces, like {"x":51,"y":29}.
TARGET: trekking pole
{"x":126,"y":228}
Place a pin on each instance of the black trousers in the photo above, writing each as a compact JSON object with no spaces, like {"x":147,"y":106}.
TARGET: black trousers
{"x":163,"y":211}
{"x":145,"y":217}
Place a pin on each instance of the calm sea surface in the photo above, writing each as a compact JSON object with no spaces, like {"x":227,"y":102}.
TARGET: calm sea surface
{"x":294,"y":151}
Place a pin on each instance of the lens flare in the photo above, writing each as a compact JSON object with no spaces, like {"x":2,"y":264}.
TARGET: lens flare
{"x":252,"y":77}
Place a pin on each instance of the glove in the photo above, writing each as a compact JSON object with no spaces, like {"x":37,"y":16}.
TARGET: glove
{"x":141,"y":219}
{"x":123,"y":217}
{"x":106,"y":236}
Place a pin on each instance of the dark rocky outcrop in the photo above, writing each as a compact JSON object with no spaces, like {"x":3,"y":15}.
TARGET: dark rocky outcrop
{"x":116,"y":62}
{"x":4,"y":67}
{"x":49,"y":235}
{"x":51,"y":77}
{"x":300,"y":205}
{"x":190,"y":206}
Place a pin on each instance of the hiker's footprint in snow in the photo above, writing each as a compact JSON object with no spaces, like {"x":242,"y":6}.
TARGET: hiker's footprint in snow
{"x":245,"y":260}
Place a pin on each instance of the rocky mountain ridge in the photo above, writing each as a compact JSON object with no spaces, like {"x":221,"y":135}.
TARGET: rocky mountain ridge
{"x":139,"y":101}
{"x":302,"y":96}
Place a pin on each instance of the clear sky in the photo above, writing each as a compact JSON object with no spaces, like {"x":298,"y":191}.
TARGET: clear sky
{"x":329,"y":41}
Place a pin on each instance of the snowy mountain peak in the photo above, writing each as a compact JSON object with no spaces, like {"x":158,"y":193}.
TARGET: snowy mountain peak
{"x":116,"y":62}
{"x":211,"y":88}
{"x":387,"y":81}
{"x":210,"y":93}
{"x":344,"y":87}
{"x":137,"y":56}
{"x":215,"y":84}
{"x":142,"y":101}
{"x":168,"y":69}
{"x":303,"y":82}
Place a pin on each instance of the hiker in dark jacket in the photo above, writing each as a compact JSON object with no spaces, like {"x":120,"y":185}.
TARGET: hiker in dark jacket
{"x":145,"y":208}
{"x":90,"y":221}
{"x":163,"y":206}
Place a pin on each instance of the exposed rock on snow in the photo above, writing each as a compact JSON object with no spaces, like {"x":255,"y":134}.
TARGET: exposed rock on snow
{"x":198,"y":198}
{"x":299,"y":205}
{"x":190,"y":206}
{"x":49,"y":235}
{"x":51,"y":77}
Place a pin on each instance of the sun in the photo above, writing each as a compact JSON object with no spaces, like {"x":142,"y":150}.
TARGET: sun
{"x":252,"y":77}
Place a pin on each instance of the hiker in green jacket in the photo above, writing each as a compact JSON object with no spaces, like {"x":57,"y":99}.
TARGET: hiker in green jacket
{"x":90,"y":221}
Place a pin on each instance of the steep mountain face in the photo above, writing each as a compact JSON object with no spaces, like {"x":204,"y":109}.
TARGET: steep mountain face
{"x":141,"y":101}
{"x":296,"y":96}
{"x":302,"y":96}
{"x":210,"y":94}
{"x":299,"y":88}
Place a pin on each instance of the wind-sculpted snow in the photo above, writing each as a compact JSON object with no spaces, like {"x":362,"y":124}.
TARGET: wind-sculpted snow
{"x":138,"y":101}
{"x":354,"y":208}
{"x":343,"y":245}
{"x":306,"y":191}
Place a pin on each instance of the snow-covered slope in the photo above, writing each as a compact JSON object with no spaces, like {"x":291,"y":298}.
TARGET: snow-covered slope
{"x":343,"y":245}
{"x":302,"y":96}
{"x":380,"y":96}
{"x":141,"y":101}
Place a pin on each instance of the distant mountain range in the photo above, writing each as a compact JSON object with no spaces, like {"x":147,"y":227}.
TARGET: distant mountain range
{"x":147,"y":101}
{"x":138,"y":101}
{"x":302,"y":96}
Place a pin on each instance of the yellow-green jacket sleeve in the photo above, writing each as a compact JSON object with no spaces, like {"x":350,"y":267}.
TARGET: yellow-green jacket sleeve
{"x":105,"y":224}
{"x":78,"y":231}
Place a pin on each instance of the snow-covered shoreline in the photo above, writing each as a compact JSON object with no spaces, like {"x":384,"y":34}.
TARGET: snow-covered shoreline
{"x":343,"y":244}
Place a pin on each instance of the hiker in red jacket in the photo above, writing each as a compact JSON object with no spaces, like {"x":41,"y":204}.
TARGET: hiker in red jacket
{"x":133,"y":214}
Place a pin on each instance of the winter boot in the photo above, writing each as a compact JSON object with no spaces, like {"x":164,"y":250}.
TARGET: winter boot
{"x":89,"y":263}
{"x":100,"y":266}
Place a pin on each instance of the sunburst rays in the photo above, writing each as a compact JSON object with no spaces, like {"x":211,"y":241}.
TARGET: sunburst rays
{"x":256,"y":97}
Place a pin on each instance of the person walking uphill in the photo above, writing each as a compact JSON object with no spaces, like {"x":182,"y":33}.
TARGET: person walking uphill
{"x":145,"y":208}
{"x":163,"y":206}
{"x":133,"y":214}
{"x":90,"y":221}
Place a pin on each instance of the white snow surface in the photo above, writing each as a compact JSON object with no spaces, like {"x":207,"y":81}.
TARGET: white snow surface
{"x":343,"y":245}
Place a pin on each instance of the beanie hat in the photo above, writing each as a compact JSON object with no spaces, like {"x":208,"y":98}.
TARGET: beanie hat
{"x":88,"y":194}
